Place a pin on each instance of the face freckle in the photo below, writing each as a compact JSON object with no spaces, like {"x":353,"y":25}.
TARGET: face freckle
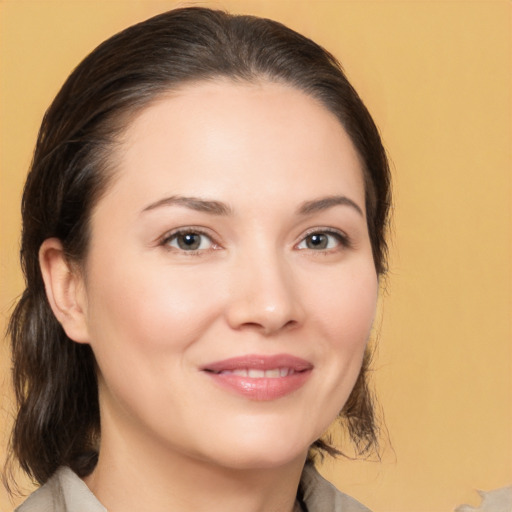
{"x":230,"y":275}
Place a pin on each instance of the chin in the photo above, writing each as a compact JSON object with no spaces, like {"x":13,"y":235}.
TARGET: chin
{"x":264,"y":459}
{"x":259,"y":451}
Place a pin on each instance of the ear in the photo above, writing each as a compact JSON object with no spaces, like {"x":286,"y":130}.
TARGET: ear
{"x":64,"y":289}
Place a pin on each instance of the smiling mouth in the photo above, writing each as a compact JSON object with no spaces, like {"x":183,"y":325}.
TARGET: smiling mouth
{"x":254,"y":373}
{"x":259,"y":366}
{"x":260,"y":378}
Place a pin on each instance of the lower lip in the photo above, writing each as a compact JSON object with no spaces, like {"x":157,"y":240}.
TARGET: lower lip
{"x":261,"y":389}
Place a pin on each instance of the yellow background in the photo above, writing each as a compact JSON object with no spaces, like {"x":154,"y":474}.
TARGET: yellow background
{"x":436,"y":75}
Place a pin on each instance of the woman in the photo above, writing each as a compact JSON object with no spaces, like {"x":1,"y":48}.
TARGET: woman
{"x":203,"y":234}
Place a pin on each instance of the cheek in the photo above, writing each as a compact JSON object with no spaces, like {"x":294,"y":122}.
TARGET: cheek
{"x":344,"y":318}
{"x":142,"y":329}
{"x":345,"y":308}
{"x":342,"y":313}
{"x":147,"y":312}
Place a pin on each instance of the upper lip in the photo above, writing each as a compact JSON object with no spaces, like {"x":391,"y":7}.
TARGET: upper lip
{"x":259,"y":362}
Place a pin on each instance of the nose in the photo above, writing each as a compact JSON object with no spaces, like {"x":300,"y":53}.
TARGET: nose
{"x":264,"y":296}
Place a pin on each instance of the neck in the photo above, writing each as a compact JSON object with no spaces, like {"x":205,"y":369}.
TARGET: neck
{"x":136,"y":474}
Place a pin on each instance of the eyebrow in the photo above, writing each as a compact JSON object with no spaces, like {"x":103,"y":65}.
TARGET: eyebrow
{"x":219,"y":208}
{"x":323,"y":203}
{"x":194,"y":203}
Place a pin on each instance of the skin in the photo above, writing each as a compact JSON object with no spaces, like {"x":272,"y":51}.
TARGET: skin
{"x":155,"y":313}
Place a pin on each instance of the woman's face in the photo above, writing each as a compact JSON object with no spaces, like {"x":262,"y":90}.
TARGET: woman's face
{"x":230,"y":287}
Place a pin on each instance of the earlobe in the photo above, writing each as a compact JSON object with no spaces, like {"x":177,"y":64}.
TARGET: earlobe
{"x":64,"y":290}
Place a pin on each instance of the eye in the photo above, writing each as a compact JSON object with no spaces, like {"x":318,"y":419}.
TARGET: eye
{"x":323,"y":241}
{"x":189,"y":241}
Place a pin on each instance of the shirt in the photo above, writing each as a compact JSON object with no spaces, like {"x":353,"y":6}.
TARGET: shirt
{"x":65,"y":491}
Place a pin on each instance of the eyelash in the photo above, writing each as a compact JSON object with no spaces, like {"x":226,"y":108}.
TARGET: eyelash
{"x":341,"y":238}
{"x":173,"y":235}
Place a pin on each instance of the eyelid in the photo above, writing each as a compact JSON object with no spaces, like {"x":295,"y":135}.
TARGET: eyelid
{"x":343,"y":239}
{"x":169,"y":235}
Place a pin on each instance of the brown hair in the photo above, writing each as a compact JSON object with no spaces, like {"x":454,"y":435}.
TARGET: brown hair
{"x":55,"y":384}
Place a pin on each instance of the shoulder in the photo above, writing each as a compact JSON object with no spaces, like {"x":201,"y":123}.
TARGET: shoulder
{"x":63,"y":492}
{"x":321,"y":496}
{"x":48,"y":498}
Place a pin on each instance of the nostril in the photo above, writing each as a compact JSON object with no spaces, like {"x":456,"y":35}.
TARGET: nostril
{"x":265,"y":303}
{"x":290,"y":324}
{"x":267,"y":327}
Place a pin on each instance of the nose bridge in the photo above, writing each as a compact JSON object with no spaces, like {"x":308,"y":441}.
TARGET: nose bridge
{"x":264,"y":294}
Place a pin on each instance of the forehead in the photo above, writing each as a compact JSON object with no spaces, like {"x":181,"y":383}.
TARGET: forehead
{"x":255,"y":138}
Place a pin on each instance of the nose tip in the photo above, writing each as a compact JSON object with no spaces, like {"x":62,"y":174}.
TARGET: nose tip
{"x":265,"y":301}
{"x":249,"y":315}
{"x":271,"y":319}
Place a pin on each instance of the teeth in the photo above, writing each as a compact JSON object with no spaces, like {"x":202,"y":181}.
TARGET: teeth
{"x":254,"y":373}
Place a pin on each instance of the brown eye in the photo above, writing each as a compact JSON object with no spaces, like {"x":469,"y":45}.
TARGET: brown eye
{"x":317,"y":241}
{"x":189,"y":241}
{"x":322,"y":241}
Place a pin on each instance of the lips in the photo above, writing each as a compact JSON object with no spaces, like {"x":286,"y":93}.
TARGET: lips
{"x":254,"y":373}
{"x":259,"y":377}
